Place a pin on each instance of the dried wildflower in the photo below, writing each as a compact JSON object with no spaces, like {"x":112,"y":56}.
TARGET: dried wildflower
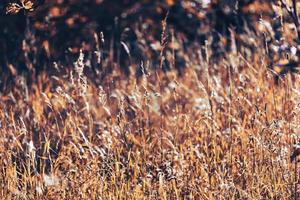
{"x":27,"y":5}
{"x":102,"y":96}
{"x":81,"y":78}
{"x":14,"y":8}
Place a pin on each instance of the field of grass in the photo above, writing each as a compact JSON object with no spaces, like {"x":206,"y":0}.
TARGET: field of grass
{"x":214,"y":130}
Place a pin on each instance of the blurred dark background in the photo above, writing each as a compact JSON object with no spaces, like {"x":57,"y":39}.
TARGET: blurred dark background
{"x":56,"y":30}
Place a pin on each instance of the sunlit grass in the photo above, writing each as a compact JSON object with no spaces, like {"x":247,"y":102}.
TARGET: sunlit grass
{"x":225,"y":133}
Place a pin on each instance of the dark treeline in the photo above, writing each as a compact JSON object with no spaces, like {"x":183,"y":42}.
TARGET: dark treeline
{"x":56,"y":30}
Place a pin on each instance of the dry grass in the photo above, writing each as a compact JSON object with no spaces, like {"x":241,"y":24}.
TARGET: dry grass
{"x":222,"y":131}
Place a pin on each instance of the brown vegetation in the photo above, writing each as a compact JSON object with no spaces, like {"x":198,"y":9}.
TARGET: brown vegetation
{"x":154,"y":110}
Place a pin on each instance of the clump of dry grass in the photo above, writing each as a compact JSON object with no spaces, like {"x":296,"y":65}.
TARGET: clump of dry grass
{"x":202,"y":135}
{"x":217,"y":131}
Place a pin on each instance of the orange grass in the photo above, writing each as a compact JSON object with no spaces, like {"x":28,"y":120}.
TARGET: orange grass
{"x":214,"y":132}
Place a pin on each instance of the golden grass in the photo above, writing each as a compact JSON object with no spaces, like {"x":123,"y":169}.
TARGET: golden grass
{"x":222,"y":132}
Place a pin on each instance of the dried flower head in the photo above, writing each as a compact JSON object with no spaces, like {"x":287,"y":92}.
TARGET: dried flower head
{"x":27,"y":5}
{"x":14,"y":8}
